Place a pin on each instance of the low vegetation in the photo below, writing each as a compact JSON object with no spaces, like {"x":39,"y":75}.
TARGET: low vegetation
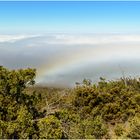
{"x":107,"y":109}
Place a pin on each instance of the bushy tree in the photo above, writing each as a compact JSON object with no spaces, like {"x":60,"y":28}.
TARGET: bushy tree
{"x":16,"y":107}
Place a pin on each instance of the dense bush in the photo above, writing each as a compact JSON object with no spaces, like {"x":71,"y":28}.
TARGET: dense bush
{"x":17,"y":109}
{"x":119,"y":129}
{"x":134,"y":131}
{"x":107,"y":109}
{"x":50,"y":128}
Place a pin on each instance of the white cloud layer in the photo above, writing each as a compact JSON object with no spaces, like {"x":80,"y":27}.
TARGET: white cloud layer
{"x":93,"y":39}
{"x":67,"y":58}
{"x":14,"y":38}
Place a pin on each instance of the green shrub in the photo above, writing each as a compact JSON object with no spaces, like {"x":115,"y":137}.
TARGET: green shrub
{"x":119,"y":129}
{"x":84,"y":112}
{"x":95,"y":128}
{"x":134,"y":132}
{"x":50,"y":128}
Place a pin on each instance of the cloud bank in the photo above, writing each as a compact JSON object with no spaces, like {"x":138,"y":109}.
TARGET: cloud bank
{"x":14,"y":38}
{"x":63,"y":59}
{"x":93,"y":39}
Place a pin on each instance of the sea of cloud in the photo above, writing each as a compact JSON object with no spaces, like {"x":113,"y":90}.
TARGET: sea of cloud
{"x":63,"y":59}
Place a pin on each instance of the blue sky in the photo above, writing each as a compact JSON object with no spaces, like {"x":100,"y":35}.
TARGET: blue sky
{"x":69,"y":41}
{"x":94,"y":17}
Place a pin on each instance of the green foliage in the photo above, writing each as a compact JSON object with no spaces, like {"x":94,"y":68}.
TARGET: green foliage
{"x":17,"y":108}
{"x":107,"y":109}
{"x":22,"y":126}
{"x":134,"y":132}
{"x":95,"y":128}
{"x":112,"y":100}
{"x":119,"y":129}
{"x":50,"y":128}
